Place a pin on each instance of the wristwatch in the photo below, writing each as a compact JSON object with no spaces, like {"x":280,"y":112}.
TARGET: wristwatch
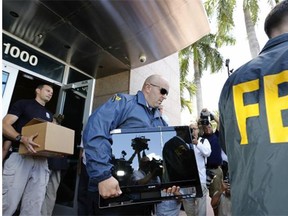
{"x":18,"y":138}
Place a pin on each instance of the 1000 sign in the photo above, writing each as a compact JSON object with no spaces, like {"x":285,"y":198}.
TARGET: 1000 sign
{"x":24,"y":56}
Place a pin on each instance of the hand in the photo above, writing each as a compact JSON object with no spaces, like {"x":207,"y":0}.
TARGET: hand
{"x":29,"y":143}
{"x":195,"y":141}
{"x":226,"y":189}
{"x":109,"y":188}
{"x":211,"y":117}
{"x":156,"y":172}
{"x":173,"y":190}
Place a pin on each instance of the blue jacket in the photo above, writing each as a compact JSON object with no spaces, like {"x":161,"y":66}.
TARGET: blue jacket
{"x":215,"y":158}
{"x":121,"y":111}
{"x":253,"y":110}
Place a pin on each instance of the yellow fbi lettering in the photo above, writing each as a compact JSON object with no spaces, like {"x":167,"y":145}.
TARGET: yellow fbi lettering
{"x":273,"y":103}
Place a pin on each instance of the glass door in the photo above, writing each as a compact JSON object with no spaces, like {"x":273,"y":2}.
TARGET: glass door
{"x":75,"y":103}
{"x":9,"y":76}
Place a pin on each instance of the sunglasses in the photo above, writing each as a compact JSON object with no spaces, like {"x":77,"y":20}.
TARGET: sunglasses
{"x":163,"y":91}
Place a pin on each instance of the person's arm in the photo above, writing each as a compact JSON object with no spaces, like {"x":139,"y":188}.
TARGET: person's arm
{"x":97,"y":145}
{"x":5,"y":148}
{"x":140,"y":178}
{"x":9,"y":132}
{"x":216,"y":119}
{"x":204,"y":147}
{"x":7,"y":128}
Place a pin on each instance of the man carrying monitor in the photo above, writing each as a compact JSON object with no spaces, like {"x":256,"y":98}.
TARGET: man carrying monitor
{"x":121,"y":111}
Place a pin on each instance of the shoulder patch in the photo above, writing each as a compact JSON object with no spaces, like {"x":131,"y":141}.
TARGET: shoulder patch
{"x":116,"y":97}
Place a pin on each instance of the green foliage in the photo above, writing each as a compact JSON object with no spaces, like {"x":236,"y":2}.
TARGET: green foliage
{"x":205,"y":55}
{"x":253,"y":7}
{"x":223,"y":11}
{"x":205,"y":52}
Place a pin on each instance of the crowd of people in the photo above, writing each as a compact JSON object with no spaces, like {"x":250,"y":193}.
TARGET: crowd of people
{"x":245,"y":134}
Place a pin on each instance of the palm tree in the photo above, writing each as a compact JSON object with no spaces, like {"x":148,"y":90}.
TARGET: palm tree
{"x":251,"y":13}
{"x":205,"y":55}
{"x":224,"y":10}
{"x":185,"y":84}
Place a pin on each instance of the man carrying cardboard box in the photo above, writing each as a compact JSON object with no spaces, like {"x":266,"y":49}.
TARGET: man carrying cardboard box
{"x":25,"y":177}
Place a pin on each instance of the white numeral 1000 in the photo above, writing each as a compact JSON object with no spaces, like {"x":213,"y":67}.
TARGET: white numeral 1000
{"x":24,"y":56}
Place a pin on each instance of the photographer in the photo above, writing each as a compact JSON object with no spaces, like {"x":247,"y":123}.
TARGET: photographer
{"x":202,"y":150}
{"x":214,"y":161}
{"x":221,"y":200}
{"x":147,"y":173}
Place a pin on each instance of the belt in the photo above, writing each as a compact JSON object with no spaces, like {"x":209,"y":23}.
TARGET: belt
{"x":212,"y":167}
{"x":15,"y":149}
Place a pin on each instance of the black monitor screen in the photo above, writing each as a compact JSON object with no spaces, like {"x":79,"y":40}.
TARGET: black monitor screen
{"x":148,"y":160}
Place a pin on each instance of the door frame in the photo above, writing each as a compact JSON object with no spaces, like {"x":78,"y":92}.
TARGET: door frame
{"x":90,"y":84}
{"x":9,"y":86}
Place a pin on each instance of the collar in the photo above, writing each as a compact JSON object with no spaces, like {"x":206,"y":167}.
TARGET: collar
{"x":142,"y":100}
{"x":275,"y":41}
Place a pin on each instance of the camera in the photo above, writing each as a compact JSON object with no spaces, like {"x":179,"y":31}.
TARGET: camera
{"x":209,"y":177}
{"x":191,"y":132}
{"x":156,"y":166}
{"x":140,"y":143}
{"x":206,"y":117}
{"x":142,"y":58}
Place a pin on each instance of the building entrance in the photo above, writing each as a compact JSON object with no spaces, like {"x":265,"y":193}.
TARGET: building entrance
{"x":73,"y":101}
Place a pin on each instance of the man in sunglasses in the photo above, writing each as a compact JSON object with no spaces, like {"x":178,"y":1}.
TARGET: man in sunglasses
{"x":121,"y":111}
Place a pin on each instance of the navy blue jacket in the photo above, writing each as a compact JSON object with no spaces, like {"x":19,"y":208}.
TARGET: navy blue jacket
{"x":121,"y":111}
{"x":215,"y":158}
{"x":254,"y":128}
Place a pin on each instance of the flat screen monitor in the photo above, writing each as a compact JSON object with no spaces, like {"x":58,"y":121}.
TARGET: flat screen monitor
{"x":148,"y":160}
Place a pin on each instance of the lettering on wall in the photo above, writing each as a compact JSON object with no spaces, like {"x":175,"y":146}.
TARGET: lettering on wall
{"x":23,"y":55}
{"x":31,"y":59}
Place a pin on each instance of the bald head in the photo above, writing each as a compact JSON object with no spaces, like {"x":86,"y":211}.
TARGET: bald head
{"x":156,"y":79}
{"x":276,"y":23}
{"x":155,"y":90}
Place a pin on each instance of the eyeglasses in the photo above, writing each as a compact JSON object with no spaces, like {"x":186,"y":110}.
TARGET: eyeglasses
{"x":163,"y":91}
{"x":192,"y":129}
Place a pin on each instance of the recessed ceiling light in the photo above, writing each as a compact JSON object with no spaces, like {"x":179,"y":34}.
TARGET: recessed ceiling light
{"x":40,"y":35}
{"x":14,"y":14}
{"x":67,"y":46}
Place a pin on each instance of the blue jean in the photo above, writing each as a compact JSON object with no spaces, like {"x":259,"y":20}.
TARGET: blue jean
{"x":168,"y":208}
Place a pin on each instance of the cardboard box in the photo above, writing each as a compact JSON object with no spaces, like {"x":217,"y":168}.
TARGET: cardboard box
{"x":54,"y":140}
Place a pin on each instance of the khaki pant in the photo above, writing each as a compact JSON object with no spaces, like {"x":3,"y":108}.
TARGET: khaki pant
{"x":216,"y":184}
{"x":196,"y":206}
{"x":51,"y":193}
{"x":24,"y":178}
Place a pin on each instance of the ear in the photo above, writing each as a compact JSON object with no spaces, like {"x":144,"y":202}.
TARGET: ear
{"x":37,"y":90}
{"x":147,"y":88}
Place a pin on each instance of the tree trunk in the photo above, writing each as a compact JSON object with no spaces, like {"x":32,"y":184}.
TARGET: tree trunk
{"x":252,"y":38}
{"x":197,"y":81}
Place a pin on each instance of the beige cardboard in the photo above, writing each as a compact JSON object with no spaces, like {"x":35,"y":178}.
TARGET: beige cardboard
{"x":54,"y":140}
